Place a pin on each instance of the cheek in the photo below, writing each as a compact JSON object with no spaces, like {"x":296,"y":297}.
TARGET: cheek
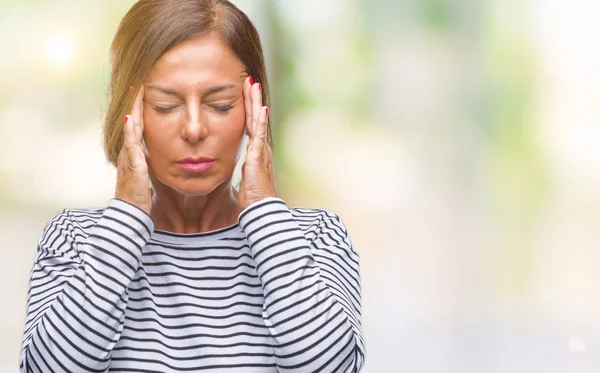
{"x":238,"y":121}
{"x":157,"y":135}
{"x":229,"y":127}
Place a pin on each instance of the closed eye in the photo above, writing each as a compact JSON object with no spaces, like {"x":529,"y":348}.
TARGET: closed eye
{"x":161,"y":109}
{"x":224,"y":108}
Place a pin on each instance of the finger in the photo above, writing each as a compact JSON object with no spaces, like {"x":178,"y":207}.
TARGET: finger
{"x":256,"y":93}
{"x":248,"y":104}
{"x":128,"y":132}
{"x":260,"y":135}
{"x":261,"y":129}
{"x":137,"y":113}
{"x":129,"y":143}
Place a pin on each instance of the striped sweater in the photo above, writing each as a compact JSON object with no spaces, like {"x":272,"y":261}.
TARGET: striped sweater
{"x":277,"y":292}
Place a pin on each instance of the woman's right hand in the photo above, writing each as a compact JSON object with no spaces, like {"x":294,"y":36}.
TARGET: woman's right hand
{"x":133,"y":181}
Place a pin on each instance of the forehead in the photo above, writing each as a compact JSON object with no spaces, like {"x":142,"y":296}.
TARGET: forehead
{"x":202,"y":58}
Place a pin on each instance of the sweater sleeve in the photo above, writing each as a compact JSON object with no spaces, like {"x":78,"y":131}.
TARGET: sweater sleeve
{"x":311,"y":286}
{"x":78,"y":288}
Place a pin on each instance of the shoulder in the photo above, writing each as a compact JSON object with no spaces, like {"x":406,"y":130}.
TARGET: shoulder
{"x":324,"y":227}
{"x":309,"y":217}
{"x":65,"y":229}
{"x":73,"y":220}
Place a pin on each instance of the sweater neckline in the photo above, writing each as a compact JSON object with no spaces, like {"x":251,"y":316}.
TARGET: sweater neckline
{"x":231,"y":231}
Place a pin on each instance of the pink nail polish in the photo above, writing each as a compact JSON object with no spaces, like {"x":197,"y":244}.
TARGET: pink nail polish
{"x":251,"y":80}
{"x":259,"y":87}
{"x":125,"y":118}
{"x":267,"y":111}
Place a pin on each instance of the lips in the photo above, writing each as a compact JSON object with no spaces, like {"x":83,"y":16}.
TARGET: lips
{"x":196,"y":164}
{"x":196,"y":160}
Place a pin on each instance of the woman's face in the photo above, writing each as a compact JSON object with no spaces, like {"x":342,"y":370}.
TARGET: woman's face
{"x":193,"y":109}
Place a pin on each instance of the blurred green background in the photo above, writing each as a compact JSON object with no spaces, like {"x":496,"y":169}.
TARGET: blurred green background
{"x":459,"y":140}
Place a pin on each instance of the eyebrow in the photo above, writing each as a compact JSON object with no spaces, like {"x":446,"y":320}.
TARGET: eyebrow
{"x":175,"y":93}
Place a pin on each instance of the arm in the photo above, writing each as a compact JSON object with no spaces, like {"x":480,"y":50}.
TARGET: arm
{"x":78,"y":289}
{"x":311,"y":288}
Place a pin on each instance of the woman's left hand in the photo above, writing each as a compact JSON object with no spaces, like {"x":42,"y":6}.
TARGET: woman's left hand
{"x":258,"y":180}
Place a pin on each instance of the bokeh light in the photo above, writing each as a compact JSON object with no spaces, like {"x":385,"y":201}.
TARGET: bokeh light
{"x":60,"y":51}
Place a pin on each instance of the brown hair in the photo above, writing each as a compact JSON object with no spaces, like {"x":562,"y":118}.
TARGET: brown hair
{"x":152,"y":27}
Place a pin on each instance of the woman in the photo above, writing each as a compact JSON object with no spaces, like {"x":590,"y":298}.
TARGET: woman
{"x":192,"y":274}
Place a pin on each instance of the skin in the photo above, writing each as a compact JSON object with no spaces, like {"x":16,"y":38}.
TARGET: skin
{"x":196,"y":101}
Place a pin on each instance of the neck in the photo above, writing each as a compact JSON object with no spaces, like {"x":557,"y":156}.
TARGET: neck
{"x":177,"y":213}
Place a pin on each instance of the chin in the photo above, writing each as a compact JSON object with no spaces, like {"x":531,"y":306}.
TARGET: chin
{"x":195,"y":186}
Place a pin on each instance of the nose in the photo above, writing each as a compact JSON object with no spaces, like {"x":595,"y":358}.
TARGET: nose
{"x":195,"y":127}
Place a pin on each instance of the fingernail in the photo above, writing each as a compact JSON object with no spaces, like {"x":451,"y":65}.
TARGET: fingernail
{"x":251,"y":80}
{"x":130,"y":90}
{"x":125,"y":118}
{"x":259,"y":87}
{"x":267,"y":111}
